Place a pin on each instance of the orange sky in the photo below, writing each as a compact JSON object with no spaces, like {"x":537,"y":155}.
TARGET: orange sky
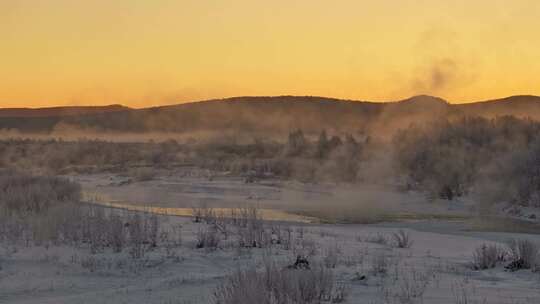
{"x":150,"y":52}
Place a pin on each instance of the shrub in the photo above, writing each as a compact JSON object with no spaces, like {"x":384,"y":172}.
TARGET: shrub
{"x":24,"y":194}
{"x":447,"y":158}
{"x":46,"y":210}
{"x":488,"y":256}
{"x":251,"y":230}
{"x":402,"y":239}
{"x":407,"y":285}
{"x":275,"y":285}
{"x":137,"y":237}
{"x":117,"y":236}
{"x":524,"y":254}
{"x":207,"y":238}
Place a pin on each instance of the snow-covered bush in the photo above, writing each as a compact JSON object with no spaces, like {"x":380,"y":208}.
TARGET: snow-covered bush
{"x":402,"y":239}
{"x":488,"y":256}
{"x":278,"y":285}
{"x":524,"y":254}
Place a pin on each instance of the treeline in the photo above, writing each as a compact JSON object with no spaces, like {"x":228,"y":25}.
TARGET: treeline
{"x":323,"y":158}
{"x":302,"y":157}
{"x":58,"y":156}
{"x":495,"y":158}
{"x":499,"y":158}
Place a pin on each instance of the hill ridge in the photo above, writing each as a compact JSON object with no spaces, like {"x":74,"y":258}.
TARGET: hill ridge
{"x":272,"y":98}
{"x":265,"y":115}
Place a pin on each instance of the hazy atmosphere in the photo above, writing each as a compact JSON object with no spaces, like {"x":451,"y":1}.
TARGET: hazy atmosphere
{"x":154,"y":52}
{"x":285,"y":152}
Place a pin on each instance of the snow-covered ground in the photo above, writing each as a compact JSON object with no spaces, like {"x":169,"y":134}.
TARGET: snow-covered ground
{"x":189,"y":275}
{"x":435,"y":269}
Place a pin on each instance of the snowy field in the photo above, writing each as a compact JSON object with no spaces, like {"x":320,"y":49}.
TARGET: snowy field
{"x":435,"y":265}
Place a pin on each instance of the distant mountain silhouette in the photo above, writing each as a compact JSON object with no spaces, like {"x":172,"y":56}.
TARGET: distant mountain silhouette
{"x":59,"y":111}
{"x":264,"y":115}
{"x":423,"y":100}
{"x":519,"y":106}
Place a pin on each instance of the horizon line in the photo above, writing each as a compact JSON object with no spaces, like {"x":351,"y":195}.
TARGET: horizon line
{"x":177,"y":103}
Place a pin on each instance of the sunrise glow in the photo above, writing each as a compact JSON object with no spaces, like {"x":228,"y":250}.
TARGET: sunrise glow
{"x":153,"y":52}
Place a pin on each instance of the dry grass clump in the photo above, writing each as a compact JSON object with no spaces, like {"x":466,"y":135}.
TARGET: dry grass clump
{"x":24,"y":194}
{"x":488,"y":256}
{"x":377,"y":238}
{"x":143,"y":233}
{"x":463,"y":292}
{"x":38,"y":208}
{"x":521,"y":253}
{"x":276,"y":285}
{"x":245,"y":225}
{"x":207,"y":238}
{"x":45,"y":211}
{"x":407,"y":285}
{"x":251,"y":229}
{"x":524,"y":254}
{"x":402,"y":239}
